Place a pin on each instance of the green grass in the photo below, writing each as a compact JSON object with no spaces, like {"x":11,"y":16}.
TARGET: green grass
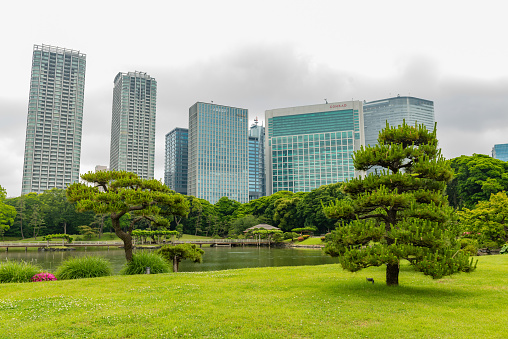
{"x":142,"y":260}
{"x":83,"y":267}
{"x":276,"y":302}
{"x":309,"y":241}
{"x":17,"y":271}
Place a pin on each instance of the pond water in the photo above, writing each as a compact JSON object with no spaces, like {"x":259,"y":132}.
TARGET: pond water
{"x":215,"y":258}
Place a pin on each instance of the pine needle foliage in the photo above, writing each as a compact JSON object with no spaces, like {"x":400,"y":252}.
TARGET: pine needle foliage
{"x":399,"y":212}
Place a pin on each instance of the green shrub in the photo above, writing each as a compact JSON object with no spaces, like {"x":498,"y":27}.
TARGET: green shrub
{"x":490,"y":244}
{"x":142,"y":260}
{"x":290,"y":235}
{"x":323,"y":238}
{"x":305,"y":236}
{"x":469,"y":245}
{"x":83,"y":267}
{"x":504,"y":249}
{"x":16,"y":272}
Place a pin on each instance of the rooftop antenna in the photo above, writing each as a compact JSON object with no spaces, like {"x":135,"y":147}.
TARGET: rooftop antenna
{"x":326,"y":101}
{"x":256,"y":121}
{"x":212,"y":101}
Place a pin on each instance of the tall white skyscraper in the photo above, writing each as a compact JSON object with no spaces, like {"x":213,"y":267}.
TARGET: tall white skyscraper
{"x":218,"y":152}
{"x":133,"y":124}
{"x":55,"y":115}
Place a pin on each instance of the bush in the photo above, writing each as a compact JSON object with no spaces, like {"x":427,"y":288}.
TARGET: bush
{"x":305,"y":236}
{"x":44,"y":276}
{"x":16,"y":272}
{"x":142,"y":260}
{"x":83,"y":267}
{"x":300,"y":238}
{"x":469,"y":245}
{"x":290,"y":235}
{"x":323,"y":238}
{"x":504,"y":249}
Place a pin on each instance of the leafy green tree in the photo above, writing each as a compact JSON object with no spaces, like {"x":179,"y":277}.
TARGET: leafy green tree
{"x":400,"y":213}
{"x":7,"y":213}
{"x":58,"y":210}
{"x":310,"y":206}
{"x":87,"y":232}
{"x":177,"y":253}
{"x":476,"y":178}
{"x":241,"y":224}
{"x":37,"y":220}
{"x":487,"y":221}
{"x":119,"y":193}
{"x":286,"y":212}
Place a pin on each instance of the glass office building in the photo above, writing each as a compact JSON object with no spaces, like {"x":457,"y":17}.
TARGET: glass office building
{"x":257,"y":186}
{"x":218,"y":152}
{"x":394,"y":111}
{"x":310,"y":146}
{"x":500,"y":151}
{"x":55,"y":116}
{"x":177,"y":160}
{"x":133,"y":124}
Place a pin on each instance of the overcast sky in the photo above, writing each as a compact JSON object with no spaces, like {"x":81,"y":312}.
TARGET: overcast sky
{"x":262,"y":55}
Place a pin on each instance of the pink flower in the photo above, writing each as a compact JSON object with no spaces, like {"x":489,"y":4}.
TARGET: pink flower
{"x":44,"y":276}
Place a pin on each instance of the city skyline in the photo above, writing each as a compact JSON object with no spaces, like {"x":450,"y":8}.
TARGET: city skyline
{"x":229,"y":57}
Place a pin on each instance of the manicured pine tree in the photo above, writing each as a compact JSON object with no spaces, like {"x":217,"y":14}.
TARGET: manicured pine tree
{"x":399,"y":212}
{"x":117,"y":193}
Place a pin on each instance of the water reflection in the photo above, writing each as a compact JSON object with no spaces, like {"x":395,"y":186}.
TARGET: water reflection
{"x":215,"y":258}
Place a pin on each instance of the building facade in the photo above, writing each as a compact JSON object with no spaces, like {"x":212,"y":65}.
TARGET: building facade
{"x":218,"y":152}
{"x":310,"y":146}
{"x":133,"y":124}
{"x":500,"y":151}
{"x":55,"y":116}
{"x":257,"y":182}
{"x":395,"y":111}
{"x":177,"y":160}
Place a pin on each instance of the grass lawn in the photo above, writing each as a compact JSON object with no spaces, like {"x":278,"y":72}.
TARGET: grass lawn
{"x":309,"y":241}
{"x":276,"y":302}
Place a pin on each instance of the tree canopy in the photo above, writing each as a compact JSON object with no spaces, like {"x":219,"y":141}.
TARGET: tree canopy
{"x":476,"y":178}
{"x":399,"y":213}
{"x":487,"y":221}
{"x":7,"y":213}
{"x":118,"y":193}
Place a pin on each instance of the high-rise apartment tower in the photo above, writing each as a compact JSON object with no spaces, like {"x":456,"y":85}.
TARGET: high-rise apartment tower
{"x":133,"y":124}
{"x":218,"y":152}
{"x":55,"y":116}
{"x":176,"y":160}
{"x":310,"y":146}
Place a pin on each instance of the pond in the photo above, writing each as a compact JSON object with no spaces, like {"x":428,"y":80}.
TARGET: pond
{"x":215,"y":258}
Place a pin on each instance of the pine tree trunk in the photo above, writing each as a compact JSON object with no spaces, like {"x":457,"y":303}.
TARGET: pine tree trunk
{"x":175,"y":264}
{"x":126,"y":238}
{"x":392,"y":274}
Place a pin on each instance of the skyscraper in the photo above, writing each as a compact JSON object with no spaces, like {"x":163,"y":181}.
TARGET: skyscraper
{"x":177,"y":160}
{"x":395,"y":111}
{"x":500,"y":151}
{"x":310,"y":146}
{"x":257,"y":184}
{"x":55,"y":115}
{"x":218,"y":152}
{"x":133,"y":124}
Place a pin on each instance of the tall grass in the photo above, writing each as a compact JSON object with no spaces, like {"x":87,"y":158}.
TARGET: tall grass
{"x":142,"y":260}
{"x":13,"y":271}
{"x":83,"y":267}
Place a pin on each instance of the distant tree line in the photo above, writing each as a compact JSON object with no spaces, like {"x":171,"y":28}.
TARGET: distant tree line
{"x":475,"y":178}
